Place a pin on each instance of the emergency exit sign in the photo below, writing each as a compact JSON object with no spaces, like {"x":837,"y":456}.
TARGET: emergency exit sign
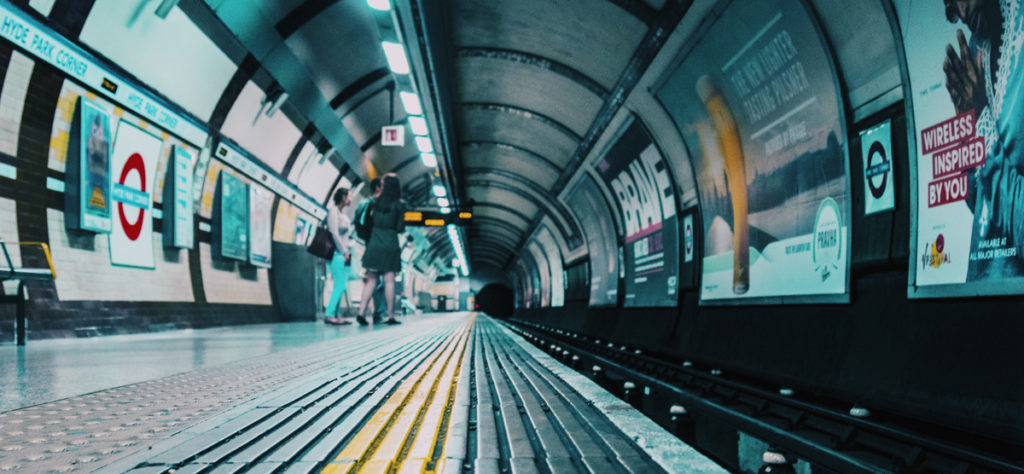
{"x":392,"y":135}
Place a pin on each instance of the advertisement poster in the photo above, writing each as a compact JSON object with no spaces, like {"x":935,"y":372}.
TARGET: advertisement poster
{"x":756,"y":102}
{"x":90,"y":208}
{"x":641,"y":182}
{"x":544,"y":271}
{"x":876,"y":151}
{"x":967,"y":88}
{"x":133,"y":162}
{"x":260,"y":231}
{"x":178,"y":224}
{"x":233,"y":225}
{"x":599,"y":230}
{"x":303,"y":228}
{"x":547,"y":245}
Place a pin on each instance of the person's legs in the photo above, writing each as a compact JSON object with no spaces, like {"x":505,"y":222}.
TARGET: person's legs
{"x":389,"y":295}
{"x":371,"y":281}
{"x":378,"y":301}
{"x":339,"y":273}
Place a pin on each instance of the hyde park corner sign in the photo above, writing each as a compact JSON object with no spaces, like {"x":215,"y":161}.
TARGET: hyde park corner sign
{"x":133,"y":168}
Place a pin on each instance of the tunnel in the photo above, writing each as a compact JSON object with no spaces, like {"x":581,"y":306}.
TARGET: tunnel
{"x":511,"y":236}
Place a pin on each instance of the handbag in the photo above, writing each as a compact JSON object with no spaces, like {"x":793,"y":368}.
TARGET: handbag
{"x":322,"y":244}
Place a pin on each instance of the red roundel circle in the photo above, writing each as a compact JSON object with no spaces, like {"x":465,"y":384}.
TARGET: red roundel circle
{"x":132,"y":229}
{"x":940,"y":243}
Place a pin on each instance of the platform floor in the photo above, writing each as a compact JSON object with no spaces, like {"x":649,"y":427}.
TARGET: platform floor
{"x":454,"y":392}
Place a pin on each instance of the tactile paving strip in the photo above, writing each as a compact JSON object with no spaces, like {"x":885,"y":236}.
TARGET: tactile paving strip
{"x":460,"y":396}
{"x":81,"y":434}
{"x":524,"y":419}
{"x":366,"y":409}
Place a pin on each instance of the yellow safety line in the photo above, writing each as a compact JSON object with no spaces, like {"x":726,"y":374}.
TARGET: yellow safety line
{"x":417,"y":452}
{"x":371,"y":437}
{"x":359,"y":452}
{"x":410,"y":424}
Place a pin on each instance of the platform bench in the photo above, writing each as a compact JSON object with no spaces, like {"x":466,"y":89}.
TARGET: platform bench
{"x":21,"y":275}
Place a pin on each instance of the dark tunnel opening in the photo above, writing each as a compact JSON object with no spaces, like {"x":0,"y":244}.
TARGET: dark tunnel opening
{"x":495,"y":299}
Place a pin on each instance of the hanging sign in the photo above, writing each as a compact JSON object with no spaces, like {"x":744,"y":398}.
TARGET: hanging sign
{"x":392,"y":135}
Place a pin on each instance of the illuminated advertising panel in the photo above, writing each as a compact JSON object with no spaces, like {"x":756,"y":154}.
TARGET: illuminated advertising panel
{"x":599,"y":230}
{"x":260,"y":231}
{"x":87,"y":203}
{"x":966,"y":89}
{"x":231,"y":218}
{"x":177,"y":220}
{"x":133,"y":165}
{"x":641,"y":183}
{"x":544,"y":270}
{"x":553,"y":258}
{"x":757,"y":104}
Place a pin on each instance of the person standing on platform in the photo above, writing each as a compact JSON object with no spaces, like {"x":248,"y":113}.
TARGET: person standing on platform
{"x":382,"y":258}
{"x":340,"y":225}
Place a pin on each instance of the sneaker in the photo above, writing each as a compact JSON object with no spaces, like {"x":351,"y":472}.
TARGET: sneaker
{"x":377,"y":320}
{"x":392,"y":321}
{"x":361,"y":320}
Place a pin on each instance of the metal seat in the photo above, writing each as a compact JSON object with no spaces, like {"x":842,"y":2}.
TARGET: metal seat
{"x":10,"y":272}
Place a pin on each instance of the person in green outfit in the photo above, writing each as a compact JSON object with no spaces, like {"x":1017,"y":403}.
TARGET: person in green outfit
{"x":383,"y":254}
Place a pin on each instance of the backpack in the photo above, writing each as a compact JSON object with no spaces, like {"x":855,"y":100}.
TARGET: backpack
{"x":364,"y":219}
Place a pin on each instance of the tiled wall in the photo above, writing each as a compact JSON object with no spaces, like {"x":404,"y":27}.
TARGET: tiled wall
{"x":91,"y":296}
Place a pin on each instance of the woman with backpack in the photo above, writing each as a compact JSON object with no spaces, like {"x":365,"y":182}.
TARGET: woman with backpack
{"x":386,"y":213}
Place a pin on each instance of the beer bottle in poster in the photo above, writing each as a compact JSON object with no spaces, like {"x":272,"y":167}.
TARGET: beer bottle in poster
{"x":735,"y":171}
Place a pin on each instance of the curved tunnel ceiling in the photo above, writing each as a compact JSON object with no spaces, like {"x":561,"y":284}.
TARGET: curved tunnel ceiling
{"x":532,"y":84}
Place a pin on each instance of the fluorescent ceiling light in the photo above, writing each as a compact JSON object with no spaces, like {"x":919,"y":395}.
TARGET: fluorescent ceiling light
{"x":460,"y":254}
{"x":418,"y":125}
{"x":381,"y":5}
{"x":429,"y":159}
{"x":440,"y":191}
{"x":443,"y":202}
{"x":395,"y":53}
{"x":410,"y":101}
{"x":424,"y":144}
{"x":165,"y":8}
{"x":446,"y":210}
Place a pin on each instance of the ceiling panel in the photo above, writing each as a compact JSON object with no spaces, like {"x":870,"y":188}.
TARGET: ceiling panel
{"x":490,"y":125}
{"x":485,"y":80}
{"x":490,"y":194}
{"x":476,"y":161}
{"x":595,"y":37}
{"x":348,"y":23}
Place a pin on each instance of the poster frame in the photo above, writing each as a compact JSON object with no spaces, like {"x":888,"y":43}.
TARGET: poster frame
{"x":152,"y":197}
{"x":705,"y":25}
{"x":76,"y":173}
{"x":862,"y":133}
{"x":614,"y":207}
{"x":255,"y":259}
{"x":591,"y":174}
{"x":955,"y":290}
{"x":216,"y":235}
{"x":170,"y":210}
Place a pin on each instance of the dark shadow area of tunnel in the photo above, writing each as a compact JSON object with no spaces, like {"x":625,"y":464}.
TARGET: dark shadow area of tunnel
{"x":496,"y":300}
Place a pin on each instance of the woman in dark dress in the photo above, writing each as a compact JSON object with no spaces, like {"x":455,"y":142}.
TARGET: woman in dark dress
{"x":383,"y":254}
